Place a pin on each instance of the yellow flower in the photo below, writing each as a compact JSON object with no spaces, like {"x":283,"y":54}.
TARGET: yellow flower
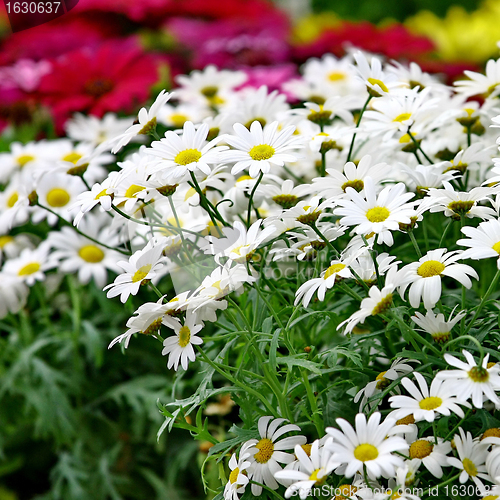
{"x":461,"y":35}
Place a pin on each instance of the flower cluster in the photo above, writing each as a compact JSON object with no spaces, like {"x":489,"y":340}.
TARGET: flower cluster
{"x":296,"y":251}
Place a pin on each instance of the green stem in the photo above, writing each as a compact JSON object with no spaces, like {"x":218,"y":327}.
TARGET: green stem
{"x":472,"y":339}
{"x":351,"y":147}
{"x":249,"y":389}
{"x":445,"y":232}
{"x":492,"y":287}
{"x":419,"y":147}
{"x":250,"y":200}
{"x":415,"y":244}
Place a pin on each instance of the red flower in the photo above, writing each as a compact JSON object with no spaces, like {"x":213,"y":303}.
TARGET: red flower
{"x":115,"y":77}
{"x":393,"y":41}
{"x":70,"y":32}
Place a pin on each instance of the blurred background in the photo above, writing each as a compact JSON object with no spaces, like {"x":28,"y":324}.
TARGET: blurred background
{"x":78,"y":421}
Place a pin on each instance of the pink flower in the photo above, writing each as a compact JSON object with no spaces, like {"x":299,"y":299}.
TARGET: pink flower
{"x":115,"y":77}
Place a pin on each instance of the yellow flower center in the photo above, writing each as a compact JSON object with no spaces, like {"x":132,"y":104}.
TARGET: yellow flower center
{"x":430,"y":403}
{"x":259,"y":119}
{"x":491,"y":497}
{"x":23,"y":159}
{"x":178,"y":120}
{"x":345,"y":491}
{"x":187,"y":157}
{"x":336,"y":76}
{"x":493,"y":432}
{"x":496,"y":247}
{"x":409,"y":419}
{"x":153,"y":327}
{"x":314,"y":477}
{"x":421,"y":449}
{"x":141,"y":273}
{"x":266,"y":450}
{"x":469,"y":467}
{"x":28,"y":269}
{"x":244,"y":178}
{"x":356,"y":184}
{"x":209,"y":91}
{"x":151,"y":125}
{"x":380,"y":83}
{"x":58,"y":197}
{"x":91,"y":253}
{"x":12,"y":199}
{"x":234,"y":475}
{"x":405,"y":138}
{"x":133,"y":190}
{"x":72,"y":157}
{"x":479,"y":374}
{"x":5,"y":240}
{"x":286,"y":200}
{"x":383,"y":305}
{"x":377,"y":214}
{"x":382,"y":382}
{"x":307,"y":449}
{"x":402,"y":117}
{"x":184,"y":336}
{"x":261,"y":152}
{"x":365,"y":452}
{"x":334,"y":269}
{"x":461,"y":207}
{"x":101,"y":194}
{"x":430,"y":268}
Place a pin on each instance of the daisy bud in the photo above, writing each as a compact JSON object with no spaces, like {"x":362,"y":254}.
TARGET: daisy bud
{"x":328,"y":146}
{"x":322,"y":117}
{"x":168,"y":190}
{"x":33,"y":198}
{"x":78,"y":170}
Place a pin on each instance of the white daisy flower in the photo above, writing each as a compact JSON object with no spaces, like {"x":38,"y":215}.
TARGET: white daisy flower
{"x":268,"y":452}
{"x":209,"y":86}
{"x":397,"y":112}
{"x":313,"y":470}
{"x":77,"y":254}
{"x":398,"y":368}
{"x":252,"y":104}
{"x":478,"y":83}
{"x":258,"y":148}
{"x":436,"y":325}
{"x":142,"y":266}
{"x":377,"y":302}
{"x":377,"y":82}
{"x":471,"y":458}
{"x":457,"y":203}
{"x":285,"y":195}
{"x":337,"y":269}
{"x":147,"y":119}
{"x":94,"y":130}
{"x":13,"y":294}
{"x":180,"y":346}
{"x":30,"y":266}
{"x":425,"y":404}
{"x":483,"y":241}
{"x":238,"y":478}
{"x":424,"y":177}
{"x":353,"y":176}
{"x":147,"y":320}
{"x":187,"y":152}
{"x":376,"y":214}
{"x":470,"y":380}
{"x":100,"y":194}
{"x":368,"y":445}
{"x":425,"y":275}
{"x":431,"y":453}
{"x":57,"y":192}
